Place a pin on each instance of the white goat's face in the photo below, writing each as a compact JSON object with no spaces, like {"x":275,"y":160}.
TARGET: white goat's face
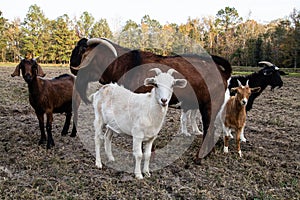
{"x":164,"y":84}
{"x":164,"y":88}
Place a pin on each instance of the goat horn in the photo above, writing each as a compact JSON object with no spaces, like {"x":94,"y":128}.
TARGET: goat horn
{"x":76,"y":68}
{"x":105,"y":42}
{"x":267,"y":63}
{"x":171,"y":71}
{"x":21,"y":57}
{"x":157,"y":70}
{"x":240,"y":84}
{"x":247,"y":83}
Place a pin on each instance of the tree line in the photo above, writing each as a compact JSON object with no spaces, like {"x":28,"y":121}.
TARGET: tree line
{"x":242,"y":42}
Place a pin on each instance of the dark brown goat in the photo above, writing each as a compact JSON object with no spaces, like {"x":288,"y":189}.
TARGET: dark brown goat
{"x":48,"y":96}
{"x":207,"y":78}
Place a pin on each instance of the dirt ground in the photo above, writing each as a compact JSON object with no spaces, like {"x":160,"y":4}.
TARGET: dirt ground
{"x":269,"y":169}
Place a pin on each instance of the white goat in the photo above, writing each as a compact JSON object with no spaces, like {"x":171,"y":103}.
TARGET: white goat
{"x":138,"y":115}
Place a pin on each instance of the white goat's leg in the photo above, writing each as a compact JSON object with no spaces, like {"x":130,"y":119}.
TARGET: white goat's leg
{"x":107,"y":144}
{"x":243,"y":139}
{"x":238,"y":142}
{"x":138,"y":155}
{"x":98,"y":137}
{"x":193,"y":118}
{"x":147,"y":156}
{"x":226,"y":138}
{"x":183,"y":122}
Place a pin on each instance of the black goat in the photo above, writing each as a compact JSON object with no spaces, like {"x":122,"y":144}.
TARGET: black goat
{"x":268,"y":76}
{"x":48,"y":96}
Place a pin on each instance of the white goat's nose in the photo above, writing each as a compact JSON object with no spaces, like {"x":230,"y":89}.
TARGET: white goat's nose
{"x":164,"y":100}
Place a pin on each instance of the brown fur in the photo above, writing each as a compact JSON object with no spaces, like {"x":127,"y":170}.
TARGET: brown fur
{"x":48,"y":96}
{"x":235,"y":112}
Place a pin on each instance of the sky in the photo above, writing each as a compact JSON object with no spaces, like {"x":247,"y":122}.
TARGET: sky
{"x":117,"y":12}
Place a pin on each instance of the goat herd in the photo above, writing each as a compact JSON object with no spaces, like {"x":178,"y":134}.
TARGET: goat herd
{"x":139,"y":107}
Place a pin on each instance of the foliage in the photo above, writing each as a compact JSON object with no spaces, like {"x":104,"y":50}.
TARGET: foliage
{"x":243,"y":42}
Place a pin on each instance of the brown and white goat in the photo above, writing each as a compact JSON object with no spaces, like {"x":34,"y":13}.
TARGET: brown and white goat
{"x":234,"y":113}
{"x":48,"y":96}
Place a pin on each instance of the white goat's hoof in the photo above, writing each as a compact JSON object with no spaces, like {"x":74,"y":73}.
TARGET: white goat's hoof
{"x":198,"y":133}
{"x":147,"y":174}
{"x":98,"y":164}
{"x":139,"y":176}
{"x":111,"y":159}
{"x":243,"y":139}
{"x":225,"y":149}
{"x":186,"y":134}
{"x":240,"y":153}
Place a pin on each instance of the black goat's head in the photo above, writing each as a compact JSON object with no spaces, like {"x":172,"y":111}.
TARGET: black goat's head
{"x":77,"y":53}
{"x":272,"y":74}
{"x":30,"y":69}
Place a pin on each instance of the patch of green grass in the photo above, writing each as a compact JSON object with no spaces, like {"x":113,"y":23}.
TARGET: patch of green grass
{"x":236,"y":73}
{"x":294,"y":74}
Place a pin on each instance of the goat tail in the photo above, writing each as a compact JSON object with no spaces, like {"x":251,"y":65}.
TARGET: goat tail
{"x":222,"y":62}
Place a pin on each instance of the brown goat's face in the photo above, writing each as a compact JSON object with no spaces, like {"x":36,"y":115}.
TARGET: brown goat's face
{"x":29,"y":70}
{"x":243,"y":93}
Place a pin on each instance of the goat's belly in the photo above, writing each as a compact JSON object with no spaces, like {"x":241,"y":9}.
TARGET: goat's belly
{"x":137,"y":127}
{"x":119,"y":124}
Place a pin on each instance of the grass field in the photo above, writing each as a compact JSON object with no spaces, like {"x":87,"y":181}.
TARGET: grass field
{"x":269,"y":169}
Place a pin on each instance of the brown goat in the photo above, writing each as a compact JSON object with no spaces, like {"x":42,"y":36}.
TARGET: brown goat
{"x":48,"y":96}
{"x":235,"y":114}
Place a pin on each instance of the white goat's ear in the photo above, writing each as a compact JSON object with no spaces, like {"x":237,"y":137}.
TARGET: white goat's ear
{"x":150,"y":82}
{"x":181,"y":83}
{"x":255,"y":90}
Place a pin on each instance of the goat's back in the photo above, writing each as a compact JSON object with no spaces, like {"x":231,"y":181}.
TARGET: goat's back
{"x":127,"y":112}
{"x":55,"y":94}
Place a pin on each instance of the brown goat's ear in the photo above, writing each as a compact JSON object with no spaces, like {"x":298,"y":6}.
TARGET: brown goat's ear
{"x":255,"y":90}
{"x":40,"y":72}
{"x":16,"y":72}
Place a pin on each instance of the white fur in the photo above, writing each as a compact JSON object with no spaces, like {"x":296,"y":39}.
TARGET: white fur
{"x":190,"y":116}
{"x":138,"y":115}
{"x":225,"y":149}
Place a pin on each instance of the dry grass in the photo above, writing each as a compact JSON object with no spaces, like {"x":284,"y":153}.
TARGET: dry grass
{"x":270,"y":168}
